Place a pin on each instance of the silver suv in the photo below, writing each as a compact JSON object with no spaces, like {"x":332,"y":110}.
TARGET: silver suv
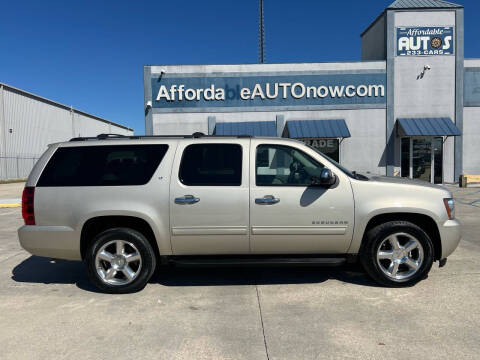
{"x":124,"y":204}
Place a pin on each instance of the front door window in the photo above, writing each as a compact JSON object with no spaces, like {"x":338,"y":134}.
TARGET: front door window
{"x":278,"y":165}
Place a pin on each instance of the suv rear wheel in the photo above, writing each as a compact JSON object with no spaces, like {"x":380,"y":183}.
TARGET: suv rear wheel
{"x":397,"y":253}
{"x":120,"y":260}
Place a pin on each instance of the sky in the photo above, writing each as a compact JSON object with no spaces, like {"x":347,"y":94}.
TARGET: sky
{"x":90,"y":54}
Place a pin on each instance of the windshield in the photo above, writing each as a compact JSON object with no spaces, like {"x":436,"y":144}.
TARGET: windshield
{"x":344,"y":170}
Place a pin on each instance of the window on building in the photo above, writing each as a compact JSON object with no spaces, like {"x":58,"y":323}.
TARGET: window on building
{"x":405,"y":158}
{"x":111,"y":165}
{"x":329,"y":147}
{"x":278,"y":165}
{"x":211,"y":165}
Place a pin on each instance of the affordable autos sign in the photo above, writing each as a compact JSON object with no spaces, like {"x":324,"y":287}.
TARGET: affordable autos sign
{"x":424,"y":41}
{"x":211,"y":91}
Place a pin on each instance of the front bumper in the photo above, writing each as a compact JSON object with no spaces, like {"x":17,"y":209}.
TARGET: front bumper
{"x":450,"y":233}
{"x":59,"y":242}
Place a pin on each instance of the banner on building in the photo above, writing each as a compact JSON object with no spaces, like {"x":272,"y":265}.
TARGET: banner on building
{"x":425,"y":41}
{"x":216,"y":91}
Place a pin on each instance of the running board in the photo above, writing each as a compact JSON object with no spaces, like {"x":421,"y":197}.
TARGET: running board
{"x":256,"y":261}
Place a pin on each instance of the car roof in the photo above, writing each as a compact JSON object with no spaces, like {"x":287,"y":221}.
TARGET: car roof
{"x":114,"y":139}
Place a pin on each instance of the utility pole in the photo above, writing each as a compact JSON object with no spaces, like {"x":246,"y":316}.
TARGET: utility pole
{"x":261,"y":36}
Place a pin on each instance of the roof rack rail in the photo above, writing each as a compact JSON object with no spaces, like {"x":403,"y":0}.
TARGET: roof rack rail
{"x":195,"y":135}
{"x":106,"y":136}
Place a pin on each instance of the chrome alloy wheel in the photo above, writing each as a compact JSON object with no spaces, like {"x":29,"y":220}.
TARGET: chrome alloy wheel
{"x":118,"y":262}
{"x":400,"y":256}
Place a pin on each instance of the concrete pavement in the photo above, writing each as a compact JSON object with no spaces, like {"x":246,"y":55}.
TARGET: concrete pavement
{"x":49,"y":309}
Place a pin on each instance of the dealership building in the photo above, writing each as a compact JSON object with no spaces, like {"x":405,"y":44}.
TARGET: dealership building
{"x":410,"y":107}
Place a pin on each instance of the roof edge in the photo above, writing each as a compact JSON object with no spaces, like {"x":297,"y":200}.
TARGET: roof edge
{"x":373,"y":22}
{"x":442,"y":5}
{"x":66,"y":107}
{"x":390,"y":7}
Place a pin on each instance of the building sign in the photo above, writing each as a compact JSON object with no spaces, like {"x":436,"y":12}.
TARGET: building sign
{"x":425,"y":41}
{"x":180,"y":92}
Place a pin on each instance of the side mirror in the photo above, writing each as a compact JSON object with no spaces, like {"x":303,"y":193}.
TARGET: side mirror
{"x":326,"y":178}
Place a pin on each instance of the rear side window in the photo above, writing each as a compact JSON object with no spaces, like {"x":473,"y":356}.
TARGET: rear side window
{"x":112,"y":165}
{"x":211,"y":165}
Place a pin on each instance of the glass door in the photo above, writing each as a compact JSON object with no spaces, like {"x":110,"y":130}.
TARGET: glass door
{"x":422,"y":158}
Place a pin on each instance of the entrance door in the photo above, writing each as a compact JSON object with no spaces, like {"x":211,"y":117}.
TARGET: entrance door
{"x":209,"y":197}
{"x":422,"y":158}
{"x":287,"y":215}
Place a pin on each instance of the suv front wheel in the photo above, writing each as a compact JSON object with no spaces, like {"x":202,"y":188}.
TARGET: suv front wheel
{"x":397,"y":253}
{"x":120,"y":260}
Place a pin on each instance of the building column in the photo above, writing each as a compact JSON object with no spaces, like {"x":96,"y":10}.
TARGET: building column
{"x":212,"y":121}
{"x":280,"y":123}
{"x":390,"y":120}
{"x":148,"y":105}
{"x":459,"y":73}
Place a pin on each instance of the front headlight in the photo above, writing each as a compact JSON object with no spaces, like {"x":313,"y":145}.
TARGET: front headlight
{"x":450,"y":207}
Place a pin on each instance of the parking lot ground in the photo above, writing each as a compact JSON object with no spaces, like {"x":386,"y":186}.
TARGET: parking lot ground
{"x":48,"y":309}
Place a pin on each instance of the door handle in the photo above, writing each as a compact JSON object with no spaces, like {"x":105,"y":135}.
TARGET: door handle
{"x":186,"y":200}
{"x":267,"y":200}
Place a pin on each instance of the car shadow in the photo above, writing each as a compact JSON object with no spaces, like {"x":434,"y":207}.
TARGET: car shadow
{"x":260,"y":275}
{"x":46,"y":271}
{"x":36,"y":269}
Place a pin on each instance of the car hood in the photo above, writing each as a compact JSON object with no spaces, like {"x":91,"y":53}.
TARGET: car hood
{"x":405,"y":181}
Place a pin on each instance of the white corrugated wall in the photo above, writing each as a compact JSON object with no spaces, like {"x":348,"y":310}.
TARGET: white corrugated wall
{"x":28,"y":124}
{"x":86,"y":126}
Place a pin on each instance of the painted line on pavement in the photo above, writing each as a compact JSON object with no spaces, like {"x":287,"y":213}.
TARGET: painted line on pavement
{"x":13,"y":205}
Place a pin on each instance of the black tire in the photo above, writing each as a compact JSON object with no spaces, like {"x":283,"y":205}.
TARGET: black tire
{"x":145,"y":271}
{"x":374,"y":238}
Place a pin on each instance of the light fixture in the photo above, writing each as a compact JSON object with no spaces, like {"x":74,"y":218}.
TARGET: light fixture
{"x":422,"y":74}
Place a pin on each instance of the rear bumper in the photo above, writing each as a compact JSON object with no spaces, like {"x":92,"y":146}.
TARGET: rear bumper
{"x":450,"y":233}
{"x":59,"y":242}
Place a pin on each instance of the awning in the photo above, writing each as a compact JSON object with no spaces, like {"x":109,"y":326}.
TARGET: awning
{"x":252,"y":128}
{"x":428,"y":127}
{"x":305,"y":129}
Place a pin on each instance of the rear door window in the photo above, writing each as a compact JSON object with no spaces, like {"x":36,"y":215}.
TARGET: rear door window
{"x":111,"y":165}
{"x":211,"y":165}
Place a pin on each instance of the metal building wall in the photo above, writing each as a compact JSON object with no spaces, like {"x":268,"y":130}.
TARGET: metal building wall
{"x":471,"y":116}
{"x":374,"y":41}
{"x":29,"y":123}
{"x":86,"y":126}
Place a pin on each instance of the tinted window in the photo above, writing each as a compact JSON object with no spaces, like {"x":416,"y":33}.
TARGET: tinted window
{"x":102,"y":165}
{"x":278,"y":165}
{"x":211,"y":165}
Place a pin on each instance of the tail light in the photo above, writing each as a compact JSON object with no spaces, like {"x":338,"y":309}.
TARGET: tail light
{"x":28,"y":212}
